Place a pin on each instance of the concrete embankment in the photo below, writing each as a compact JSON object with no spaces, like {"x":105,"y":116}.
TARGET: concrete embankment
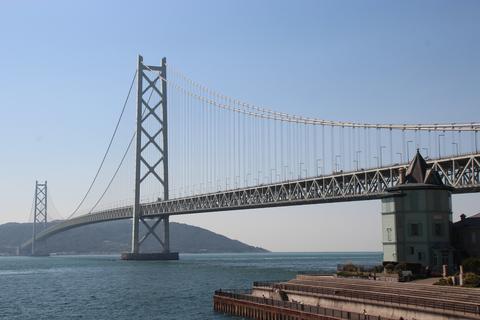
{"x":326,"y":296}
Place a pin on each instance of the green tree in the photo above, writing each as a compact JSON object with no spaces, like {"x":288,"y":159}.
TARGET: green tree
{"x":471,"y":264}
{"x":471,"y":280}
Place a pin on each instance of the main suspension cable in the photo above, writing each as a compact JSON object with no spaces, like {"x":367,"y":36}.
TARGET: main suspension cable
{"x":108,"y":148}
{"x":268,"y":113}
{"x":123,"y":159}
{"x":114,"y":174}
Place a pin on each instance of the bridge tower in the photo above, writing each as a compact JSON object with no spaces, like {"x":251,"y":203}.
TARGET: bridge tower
{"x":151,"y":157}
{"x":39,"y":212}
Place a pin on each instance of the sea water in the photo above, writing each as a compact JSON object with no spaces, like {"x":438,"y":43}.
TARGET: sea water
{"x":105,"y":287}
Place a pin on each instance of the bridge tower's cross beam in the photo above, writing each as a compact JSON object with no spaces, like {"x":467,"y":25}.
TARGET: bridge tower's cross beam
{"x":39,"y":211}
{"x":151,"y":156}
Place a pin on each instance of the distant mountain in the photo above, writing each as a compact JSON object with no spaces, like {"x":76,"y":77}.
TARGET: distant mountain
{"x":114,"y":237}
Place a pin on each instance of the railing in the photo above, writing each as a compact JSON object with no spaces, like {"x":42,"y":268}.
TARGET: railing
{"x":421,"y":291}
{"x":361,"y":268}
{"x":419,"y":302}
{"x":317,"y":310}
{"x":325,"y":272}
{"x":265,"y":284}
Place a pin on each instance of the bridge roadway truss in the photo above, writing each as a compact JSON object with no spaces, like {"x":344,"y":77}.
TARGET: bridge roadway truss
{"x":461,"y":172}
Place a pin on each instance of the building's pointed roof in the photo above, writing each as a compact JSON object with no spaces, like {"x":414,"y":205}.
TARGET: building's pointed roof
{"x":418,"y":176}
{"x":433,"y":178}
{"x":417,"y":169}
{"x":418,"y":172}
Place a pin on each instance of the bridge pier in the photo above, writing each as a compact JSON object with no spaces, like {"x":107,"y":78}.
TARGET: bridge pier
{"x":40,"y":249}
{"x":150,"y":256}
{"x":164,"y":242}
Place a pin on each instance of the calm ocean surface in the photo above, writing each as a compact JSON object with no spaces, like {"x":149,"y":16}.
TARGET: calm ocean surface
{"x":104,"y":287}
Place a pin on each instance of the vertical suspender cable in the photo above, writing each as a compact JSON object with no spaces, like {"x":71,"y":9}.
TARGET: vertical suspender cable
{"x":323,"y":149}
{"x":332,"y":141}
{"x":391,"y":146}
{"x":315,"y":149}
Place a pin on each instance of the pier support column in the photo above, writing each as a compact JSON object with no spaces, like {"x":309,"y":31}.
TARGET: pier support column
{"x":151,"y":230}
{"x":151,"y":159}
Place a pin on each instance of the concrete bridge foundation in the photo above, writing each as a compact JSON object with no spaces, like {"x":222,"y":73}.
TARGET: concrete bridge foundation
{"x":150,"y":256}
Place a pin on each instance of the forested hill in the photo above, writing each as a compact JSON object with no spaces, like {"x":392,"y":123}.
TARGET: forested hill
{"x":114,"y":237}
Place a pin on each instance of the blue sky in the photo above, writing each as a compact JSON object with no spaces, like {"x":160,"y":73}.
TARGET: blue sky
{"x":65,"y":68}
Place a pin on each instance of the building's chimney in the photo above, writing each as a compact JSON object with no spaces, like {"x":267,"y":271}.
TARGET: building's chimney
{"x":401,"y":175}
{"x":462,"y":217}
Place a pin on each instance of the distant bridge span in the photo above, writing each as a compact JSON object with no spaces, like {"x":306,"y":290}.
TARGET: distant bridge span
{"x":462,"y":173}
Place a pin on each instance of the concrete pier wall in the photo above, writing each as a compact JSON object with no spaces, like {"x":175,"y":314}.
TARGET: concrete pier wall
{"x":247,"y":306}
{"x":391,"y":311}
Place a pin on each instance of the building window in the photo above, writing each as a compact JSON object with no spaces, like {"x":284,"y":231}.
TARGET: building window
{"x":445,"y":257}
{"x":415,"y":229}
{"x":420,"y":256}
{"x":438,"y":229}
{"x":389,"y":234}
{"x":412,"y":250}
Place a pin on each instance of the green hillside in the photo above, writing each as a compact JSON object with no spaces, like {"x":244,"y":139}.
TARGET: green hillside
{"x":114,"y":237}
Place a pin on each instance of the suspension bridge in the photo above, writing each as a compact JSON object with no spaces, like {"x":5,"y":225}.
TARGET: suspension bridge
{"x":203,"y":151}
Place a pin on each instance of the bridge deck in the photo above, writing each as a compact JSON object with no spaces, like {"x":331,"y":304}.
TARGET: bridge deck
{"x":462,"y":173}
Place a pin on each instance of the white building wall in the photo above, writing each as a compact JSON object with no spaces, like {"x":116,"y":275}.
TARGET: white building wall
{"x":416,"y":226}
